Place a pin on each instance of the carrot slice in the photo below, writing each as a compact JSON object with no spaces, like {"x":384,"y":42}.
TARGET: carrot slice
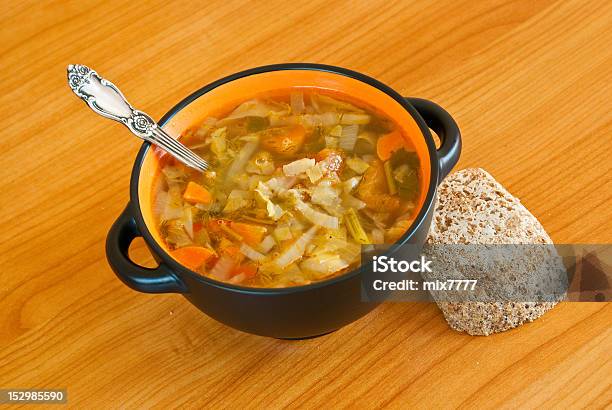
{"x":227,"y":248}
{"x":373,"y":190}
{"x":247,"y":270}
{"x":197,"y":193}
{"x":251,"y":234}
{"x":388,"y":144}
{"x":192,"y":256}
{"x":284,"y":140}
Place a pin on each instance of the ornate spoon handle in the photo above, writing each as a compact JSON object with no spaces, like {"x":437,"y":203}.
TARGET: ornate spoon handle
{"x":104,"y":98}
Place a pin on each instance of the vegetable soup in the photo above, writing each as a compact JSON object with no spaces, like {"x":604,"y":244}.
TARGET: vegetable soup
{"x":300,"y":179}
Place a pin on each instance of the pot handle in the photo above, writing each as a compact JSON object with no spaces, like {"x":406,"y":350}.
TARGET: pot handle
{"x":148,"y":280}
{"x":445,"y":126}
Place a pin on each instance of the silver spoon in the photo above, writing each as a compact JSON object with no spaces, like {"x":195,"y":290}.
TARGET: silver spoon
{"x":104,"y":98}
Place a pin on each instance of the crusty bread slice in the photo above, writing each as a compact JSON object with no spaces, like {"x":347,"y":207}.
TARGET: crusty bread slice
{"x":473,"y":208}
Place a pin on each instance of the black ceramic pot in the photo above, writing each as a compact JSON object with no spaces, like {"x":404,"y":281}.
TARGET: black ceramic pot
{"x":295,"y":312}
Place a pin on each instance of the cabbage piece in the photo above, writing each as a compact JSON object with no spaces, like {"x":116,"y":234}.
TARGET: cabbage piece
{"x":291,"y":275}
{"x":239,"y":278}
{"x":267,"y":244}
{"x":316,"y":217}
{"x":327,"y":119}
{"x":261,"y":163}
{"x":174,"y":204}
{"x":378,"y":236}
{"x":314,"y":173}
{"x":325,"y":102}
{"x":256,"y":108}
{"x":174,"y":174}
{"x":314,"y":101}
{"x":336,"y":131}
{"x":175,"y":234}
{"x":251,"y":253}
{"x":222,"y":269}
{"x":254,"y":180}
{"x":283,"y":233}
{"x":330,"y":241}
{"x":297,"y":167}
{"x":348,"y":138}
{"x":202,"y":238}
{"x":349,"y":201}
{"x":357,"y":164}
{"x":218,"y":144}
{"x":324,"y":194}
{"x":280,"y":185}
{"x":263,"y":192}
{"x":336,"y":209}
{"x":242,"y":181}
{"x":355,"y":119}
{"x":274,"y":211}
{"x":160,"y":203}
{"x":380,"y":219}
{"x":238,"y":199}
{"x":398,"y":229}
{"x":204,"y":129}
{"x":335,"y":241}
{"x":296,"y":250}
{"x":366,"y":144}
{"x":203,"y":207}
{"x":297,"y":102}
{"x":323,"y":264}
{"x":237,"y":166}
{"x":280,"y":121}
{"x":351,"y":184}
{"x":295,"y":225}
{"x":368,"y":158}
{"x":331,"y":142}
{"x":331,"y":235}
{"x":188,"y":220}
{"x":350,"y":253}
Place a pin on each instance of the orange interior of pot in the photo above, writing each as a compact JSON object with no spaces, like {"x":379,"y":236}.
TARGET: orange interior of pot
{"x":227,"y":96}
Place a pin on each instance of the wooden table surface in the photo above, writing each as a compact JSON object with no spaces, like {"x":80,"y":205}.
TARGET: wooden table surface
{"x":529,"y":83}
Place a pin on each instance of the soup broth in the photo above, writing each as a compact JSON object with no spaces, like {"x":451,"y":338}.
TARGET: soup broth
{"x":299,"y":180}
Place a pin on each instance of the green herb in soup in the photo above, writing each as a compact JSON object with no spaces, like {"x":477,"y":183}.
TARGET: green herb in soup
{"x":298,"y":183}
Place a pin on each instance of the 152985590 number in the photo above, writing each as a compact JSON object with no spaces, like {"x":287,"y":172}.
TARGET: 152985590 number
{"x":8,"y":396}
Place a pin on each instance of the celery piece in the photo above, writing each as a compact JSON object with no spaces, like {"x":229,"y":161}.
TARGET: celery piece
{"x":354,"y":227}
{"x":257,"y":220}
{"x":390,"y":181}
{"x":230,"y":233}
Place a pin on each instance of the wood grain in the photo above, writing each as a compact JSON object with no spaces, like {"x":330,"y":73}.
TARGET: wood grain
{"x":529,"y":83}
